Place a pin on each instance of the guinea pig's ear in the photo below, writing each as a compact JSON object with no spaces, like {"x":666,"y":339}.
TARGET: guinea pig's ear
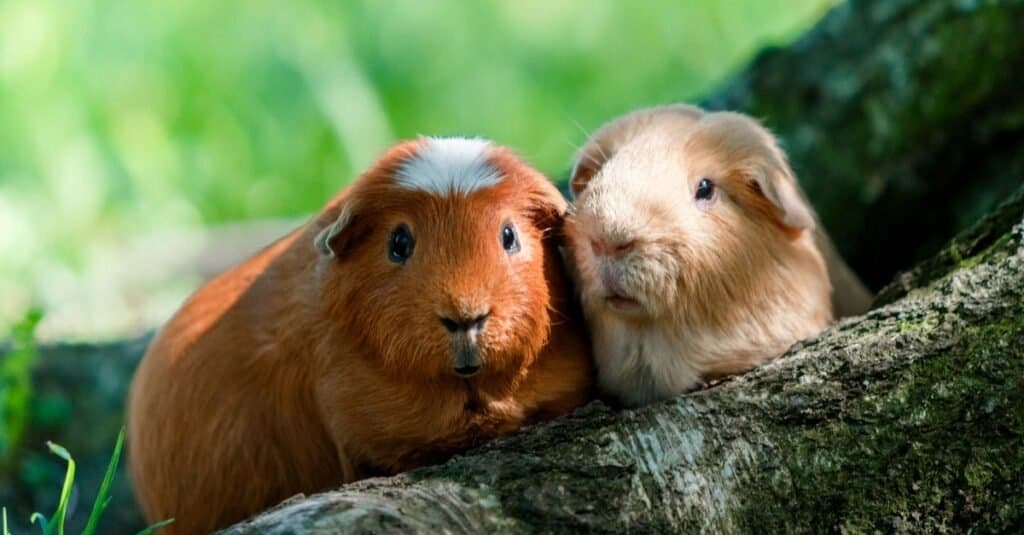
{"x":547,"y":206}
{"x":778,"y":184}
{"x":589,"y":161}
{"x":337,"y":238}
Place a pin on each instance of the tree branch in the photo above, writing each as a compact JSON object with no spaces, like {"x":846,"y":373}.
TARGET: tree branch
{"x":908,"y":417}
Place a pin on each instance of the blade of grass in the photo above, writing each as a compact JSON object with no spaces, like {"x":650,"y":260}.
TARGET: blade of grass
{"x":44,"y":524}
{"x":102,"y":497}
{"x":6,"y":531}
{"x":155,"y":527}
{"x":65,"y":493}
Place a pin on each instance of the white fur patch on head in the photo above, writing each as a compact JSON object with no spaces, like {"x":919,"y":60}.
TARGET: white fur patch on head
{"x":449,"y":165}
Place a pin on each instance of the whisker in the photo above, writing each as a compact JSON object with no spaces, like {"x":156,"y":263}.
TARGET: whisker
{"x":572,"y":145}
{"x":586,"y":134}
{"x":592,"y":158}
{"x":557,"y":316}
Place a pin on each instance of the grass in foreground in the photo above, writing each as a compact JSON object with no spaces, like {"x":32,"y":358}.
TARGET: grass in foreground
{"x":55,"y":524}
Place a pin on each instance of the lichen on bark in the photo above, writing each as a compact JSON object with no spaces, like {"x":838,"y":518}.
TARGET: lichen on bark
{"x":938,"y":447}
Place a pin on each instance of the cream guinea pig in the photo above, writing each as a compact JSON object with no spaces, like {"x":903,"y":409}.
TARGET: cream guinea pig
{"x":695,"y":252}
{"x":423,"y":311}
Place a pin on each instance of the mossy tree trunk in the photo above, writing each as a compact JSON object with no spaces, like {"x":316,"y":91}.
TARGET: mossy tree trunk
{"x":910,"y":418}
{"x":904,"y":121}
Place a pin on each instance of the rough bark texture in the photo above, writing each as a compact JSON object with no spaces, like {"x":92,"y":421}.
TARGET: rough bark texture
{"x":910,"y":418}
{"x":904,"y":121}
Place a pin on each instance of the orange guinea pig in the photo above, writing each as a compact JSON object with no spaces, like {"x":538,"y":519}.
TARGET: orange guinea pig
{"x":423,"y":311}
{"x":696,"y":252}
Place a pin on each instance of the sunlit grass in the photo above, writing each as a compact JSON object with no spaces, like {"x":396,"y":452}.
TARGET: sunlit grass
{"x":122,"y":119}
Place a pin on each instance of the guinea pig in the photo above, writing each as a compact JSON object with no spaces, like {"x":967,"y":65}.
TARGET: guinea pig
{"x":425,"y":310}
{"x":695,"y":252}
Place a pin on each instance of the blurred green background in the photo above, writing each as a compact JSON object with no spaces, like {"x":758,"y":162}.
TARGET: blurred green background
{"x":128,"y":127}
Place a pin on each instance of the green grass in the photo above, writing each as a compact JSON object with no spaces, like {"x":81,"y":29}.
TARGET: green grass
{"x":121,"y":119}
{"x":16,"y":385}
{"x":15,"y":406}
{"x":54,"y":525}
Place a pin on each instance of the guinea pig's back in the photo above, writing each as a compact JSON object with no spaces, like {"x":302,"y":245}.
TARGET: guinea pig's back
{"x":850,"y":297}
{"x":202,"y":387}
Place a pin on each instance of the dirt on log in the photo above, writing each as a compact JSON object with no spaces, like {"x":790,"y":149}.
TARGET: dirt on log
{"x":910,"y":418}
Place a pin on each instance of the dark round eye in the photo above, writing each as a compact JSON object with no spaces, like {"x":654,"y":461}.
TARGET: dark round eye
{"x":705,"y":190}
{"x":400,"y":245}
{"x":509,"y":239}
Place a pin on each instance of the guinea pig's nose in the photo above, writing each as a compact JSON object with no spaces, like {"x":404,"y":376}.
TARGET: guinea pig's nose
{"x":468,"y":371}
{"x":466,"y":359}
{"x":614,"y":249}
{"x":455,"y":325}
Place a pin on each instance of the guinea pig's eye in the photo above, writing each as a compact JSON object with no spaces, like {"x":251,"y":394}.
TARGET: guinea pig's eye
{"x":705,"y":190}
{"x":400,"y":245}
{"x":509,"y":239}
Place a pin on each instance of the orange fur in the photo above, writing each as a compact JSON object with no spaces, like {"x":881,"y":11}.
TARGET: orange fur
{"x":296,"y":371}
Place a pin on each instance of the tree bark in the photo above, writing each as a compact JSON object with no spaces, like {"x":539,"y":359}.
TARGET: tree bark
{"x":910,"y":418}
{"x":904,"y":121}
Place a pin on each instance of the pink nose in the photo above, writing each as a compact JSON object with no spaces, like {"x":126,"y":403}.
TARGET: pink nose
{"x":617,"y":250}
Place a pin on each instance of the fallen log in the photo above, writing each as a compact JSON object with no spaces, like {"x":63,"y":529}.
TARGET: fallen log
{"x":908,"y":418}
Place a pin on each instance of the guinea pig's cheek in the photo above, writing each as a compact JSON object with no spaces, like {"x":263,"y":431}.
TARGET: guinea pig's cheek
{"x":658,"y":279}
{"x":584,"y":255}
{"x":588,"y":280}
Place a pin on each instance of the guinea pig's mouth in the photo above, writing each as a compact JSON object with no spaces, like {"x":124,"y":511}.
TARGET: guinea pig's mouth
{"x":615,"y":295}
{"x":622,"y":303}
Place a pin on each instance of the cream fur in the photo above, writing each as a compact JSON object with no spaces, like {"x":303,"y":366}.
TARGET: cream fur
{"x":720,"y":286}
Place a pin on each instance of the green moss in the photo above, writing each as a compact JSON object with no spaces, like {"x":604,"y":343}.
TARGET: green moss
{"x":992,"y":235}
{"x":942,"y":451}
{"x":954,"y":252}
{"x":976,"y":257}
{"x":919,"y":325}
